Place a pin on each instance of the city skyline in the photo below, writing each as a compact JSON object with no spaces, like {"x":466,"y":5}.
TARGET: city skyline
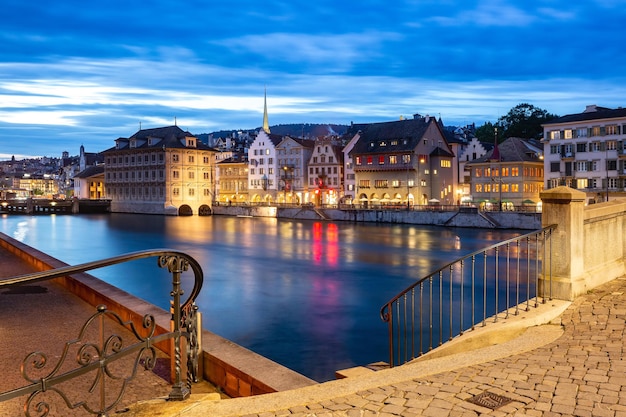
{"x":78,"y":74}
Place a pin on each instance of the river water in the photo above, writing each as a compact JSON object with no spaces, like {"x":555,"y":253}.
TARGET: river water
{"x":305,"y":294}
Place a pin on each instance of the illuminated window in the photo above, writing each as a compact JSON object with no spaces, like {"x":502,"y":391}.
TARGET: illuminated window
{"x":446,"y":163}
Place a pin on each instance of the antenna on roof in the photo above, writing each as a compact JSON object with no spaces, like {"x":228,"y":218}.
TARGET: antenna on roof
{"x":139,"y":125}
{"x":175,"y":121}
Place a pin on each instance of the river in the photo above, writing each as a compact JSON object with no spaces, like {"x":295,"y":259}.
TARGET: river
{"x":305,"y":294}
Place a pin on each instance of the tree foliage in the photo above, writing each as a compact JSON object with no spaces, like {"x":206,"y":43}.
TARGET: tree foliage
{"x":486,"y":132}
{"x":523,"y":121}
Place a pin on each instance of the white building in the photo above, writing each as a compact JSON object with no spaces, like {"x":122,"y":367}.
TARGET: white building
{"x":587,"y":151}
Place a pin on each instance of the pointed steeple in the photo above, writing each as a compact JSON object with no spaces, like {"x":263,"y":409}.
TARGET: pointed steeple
{"x":266,"y":125}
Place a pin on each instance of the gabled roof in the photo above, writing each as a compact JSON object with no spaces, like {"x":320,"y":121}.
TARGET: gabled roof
{"x":511,"y":150}
{"x":396,"y":136}
{"x":305,"y":143}
{"x":592,"y":113}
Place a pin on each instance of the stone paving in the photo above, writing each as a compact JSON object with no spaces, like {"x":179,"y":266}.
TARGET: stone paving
{"x":582,"y":373}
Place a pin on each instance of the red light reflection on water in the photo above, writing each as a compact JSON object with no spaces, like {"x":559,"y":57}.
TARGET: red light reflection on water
{"x":325,"y":243}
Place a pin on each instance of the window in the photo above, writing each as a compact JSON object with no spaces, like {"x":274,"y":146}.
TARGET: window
{"x":555,"y":149}
{"x":581,"y":147}
{"x":393,"y":159}
{"x":357,"y":160}
{"x":381,"y":183}
{"x":568,"y":133}
{"x":192,"y":192}
{"x":612,"y":130}
{"x":191,"y":159}
{"x":381,"y":159}
{"x":555,"y":134}
{"x":174,"y":174}
{"x":370,"y":160}
{"x":445,"y":163}
{"x":205,"y":175}
{"x":406,"y":159}
{"x":364,"y":183}
{"x":479,"y":188}
{"x":395,"y":183}
{"x":174,"y":157}
{"x":611,"y":145}
{"x":267,"y":152}
{"x":611,"y":164}
{"x":555,"y":166}
{"x":505,"y":171}
{"x":595,"y":131}
{"x":175,"y":191}
{"x":478,"y":172}
{"x":191,"y":175}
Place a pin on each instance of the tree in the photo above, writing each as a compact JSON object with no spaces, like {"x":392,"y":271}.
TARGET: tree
{"x":486,"y":132}
{"x":523,"y":121}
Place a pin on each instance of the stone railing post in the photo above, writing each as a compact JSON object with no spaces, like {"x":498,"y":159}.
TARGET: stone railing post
{"x":564,"y":207}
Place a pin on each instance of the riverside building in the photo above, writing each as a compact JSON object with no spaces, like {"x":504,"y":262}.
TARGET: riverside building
{"x":587,"y":151}
{"x":160,"y":171}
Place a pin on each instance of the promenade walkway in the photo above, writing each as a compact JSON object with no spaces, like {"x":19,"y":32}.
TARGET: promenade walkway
{"x":573,"y":366}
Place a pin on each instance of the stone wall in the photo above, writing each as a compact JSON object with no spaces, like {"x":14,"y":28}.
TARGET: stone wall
{"x":433,"y":217}
{"x":588,"y":246}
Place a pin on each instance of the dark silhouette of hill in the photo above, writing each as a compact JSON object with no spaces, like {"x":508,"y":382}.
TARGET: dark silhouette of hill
{"x":296,"y":130}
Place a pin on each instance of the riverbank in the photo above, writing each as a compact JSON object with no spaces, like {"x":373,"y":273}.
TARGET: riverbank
{"x":433,"y":216}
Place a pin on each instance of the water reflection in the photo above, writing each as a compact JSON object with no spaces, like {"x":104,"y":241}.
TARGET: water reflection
{"x":303,"y":293}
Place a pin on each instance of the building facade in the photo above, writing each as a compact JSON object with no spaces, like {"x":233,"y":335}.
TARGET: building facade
{"x":232,"y":180}
{"x":587,"y":151}
{"x":326,"y":172}
{"x":292,"y":157}
{"x":509,"y":176}
{"x":160,"y":171}
{"x":403,"y":163}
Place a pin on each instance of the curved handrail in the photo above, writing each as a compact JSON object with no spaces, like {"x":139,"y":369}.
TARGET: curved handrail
{"x":184,"y":326}
{"x":87,"y":266}
{"x":385,"y":316}
{"x":412,"y":315}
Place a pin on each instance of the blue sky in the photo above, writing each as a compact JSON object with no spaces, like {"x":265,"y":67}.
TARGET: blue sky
{"x":87,"y":72}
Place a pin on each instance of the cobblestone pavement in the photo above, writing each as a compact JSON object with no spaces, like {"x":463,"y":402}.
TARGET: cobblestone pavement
{"x":582,"y":373}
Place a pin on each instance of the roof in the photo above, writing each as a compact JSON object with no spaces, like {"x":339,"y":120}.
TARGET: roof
{"x":91,"y":172}
{"x":592,"y":113}
{"x":511,"y":150}
{"x":396,"y":136}
{"x":169,"y":136}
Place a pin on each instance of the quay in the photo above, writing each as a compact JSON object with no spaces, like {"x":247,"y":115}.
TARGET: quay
{"x":54,"y":206}
{"x":562,"y":359}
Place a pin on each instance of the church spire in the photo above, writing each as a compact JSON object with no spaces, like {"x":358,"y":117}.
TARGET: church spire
{"x":266,"y":125}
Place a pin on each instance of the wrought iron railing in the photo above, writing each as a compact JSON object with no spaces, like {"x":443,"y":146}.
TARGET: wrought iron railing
{"x":485,"y":285}
{"x":97,"y":358}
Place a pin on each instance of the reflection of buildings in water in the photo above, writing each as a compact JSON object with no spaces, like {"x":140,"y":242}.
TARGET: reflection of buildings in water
{"x":325,"y":245}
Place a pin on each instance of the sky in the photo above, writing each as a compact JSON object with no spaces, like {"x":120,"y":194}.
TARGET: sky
{"x":78,"y":73}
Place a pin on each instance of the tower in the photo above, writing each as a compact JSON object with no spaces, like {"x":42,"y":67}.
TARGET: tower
{"x":266,"y":125}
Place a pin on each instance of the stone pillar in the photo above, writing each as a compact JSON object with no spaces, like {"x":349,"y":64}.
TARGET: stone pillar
{"x":564,"y":207}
